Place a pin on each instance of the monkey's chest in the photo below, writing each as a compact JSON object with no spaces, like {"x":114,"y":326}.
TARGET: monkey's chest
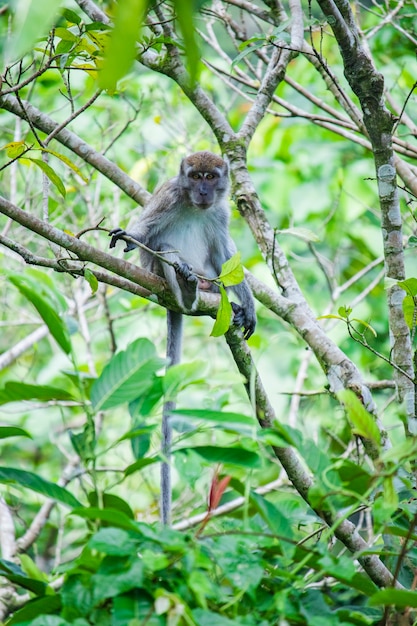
{"x":193,"y":239}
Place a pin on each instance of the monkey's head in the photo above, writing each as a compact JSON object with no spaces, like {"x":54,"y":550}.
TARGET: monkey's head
{"x":206,"y":178}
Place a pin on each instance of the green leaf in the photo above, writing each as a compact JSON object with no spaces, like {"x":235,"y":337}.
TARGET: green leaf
{"x":412,"y":241}
{"x":16,"y":575}
{"x":224,"y":315}
{"x":127,"y":375}
{"x":222,"y":417}
{"x":51,"y":174}
{"x":396,"y":597}
{"x":232,"y":271}
{"x":121,"y":49}
{"x":91,"y":279}
{"x":409,"y":309}
{"x":29,"y":480}
{"x":116,"y":518}
{"x":232,"y":456}
{"x":115,"y":541}
{"x":71,"y":16}
{"x":15,"y":391}
{"x":184,"y":13}
{"x":363,"y":422}
{"x":13,"y":431}
{"x":140,"y":464}
{"x":14,"y":149}
{"x":32,"y":20}
{"x":330,"y":316}
{"x":344,"y":311}
{"x":409,"y":286}
{"x":55,"y":324}
{"x":178,"y":377}
{"x":368,"y":326}
{"x":64,"y":158}
{"x":39,"y":607}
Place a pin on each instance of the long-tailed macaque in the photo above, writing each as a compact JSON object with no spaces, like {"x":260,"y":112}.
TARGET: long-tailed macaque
{"x":187,"y":220}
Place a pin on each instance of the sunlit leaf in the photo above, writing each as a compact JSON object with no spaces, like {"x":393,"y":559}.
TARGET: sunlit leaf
{"x":66,"y":160}
{"x":231,"y":455}
{"x":51,"y":174}
{"x":121,"y":49}
{"x":14,"y":149}
{"x":91,"y":279}
{"x":363,"y":422}
{"x":232,"y":271}
{"x":224,"y":315}
{"x":13,"y":431}
{"x":32,"y":20}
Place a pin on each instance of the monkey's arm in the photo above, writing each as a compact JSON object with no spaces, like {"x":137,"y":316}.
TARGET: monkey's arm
{"x":119,"y":234}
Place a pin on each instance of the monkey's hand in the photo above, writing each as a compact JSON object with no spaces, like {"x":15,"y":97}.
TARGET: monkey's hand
{"x":242,"y":319}
{"x":119,"y":234}
{"x":188,"y":284}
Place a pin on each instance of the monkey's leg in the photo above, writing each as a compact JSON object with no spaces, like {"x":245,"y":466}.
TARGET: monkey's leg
{"x":174,"y":341}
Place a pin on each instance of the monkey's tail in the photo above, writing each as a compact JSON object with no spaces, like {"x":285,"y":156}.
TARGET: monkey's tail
{"x":174,"y":344}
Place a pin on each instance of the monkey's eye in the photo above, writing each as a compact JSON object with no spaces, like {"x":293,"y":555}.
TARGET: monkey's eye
{"x":209,"y":176}
{"x":195,"y":176}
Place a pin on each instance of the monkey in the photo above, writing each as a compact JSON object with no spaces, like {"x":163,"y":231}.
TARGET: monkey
{"x":187,"y":221}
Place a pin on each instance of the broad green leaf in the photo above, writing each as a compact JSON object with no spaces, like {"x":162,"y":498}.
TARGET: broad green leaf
{"x":16,"y":575}
{"x":224,"y":315}
{"x":115,"y":541}
{"x":221,"y":417}
{"x":55,"y":324}
{"x":232,"y":271}
{"x":13,"y":431}
{"x":32,"y":20}
{"x":121,"y":49}
{"x":232,"y":456}
{"x":110,"y":501}
{"x":395,"y":597}
{"x":409,"y":286}
{"x":127,"y":375}
{"x":114,"y":517}
{"x":51,"y":174}
{"x":31,"y":569}
{"x":91,"y":279}
{"x":409,"y":305}
{"x":41,"y":606}
{"x":15,"y":391}
{"x":29,"y":480}
{"x":363,"y":422}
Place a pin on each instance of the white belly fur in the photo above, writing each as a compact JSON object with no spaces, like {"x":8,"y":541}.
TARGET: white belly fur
{"x":191,"y":238}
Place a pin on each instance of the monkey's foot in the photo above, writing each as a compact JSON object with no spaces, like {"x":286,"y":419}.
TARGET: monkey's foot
{"x":118,"y":234}
{"x":185,"y":272}
{"x":242,"y":320}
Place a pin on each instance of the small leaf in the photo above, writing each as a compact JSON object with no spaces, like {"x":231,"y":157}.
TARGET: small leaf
{"x":29,"y":480}
{"x":363,"y":422}
{"x":114,"y":517}
{"x":51,"y":174}
{"x":14,"y":149}
{"x":412,"y":241}
{"x":217,"y":489}
{"x":140,"y":464}
{"x":13,"y":431}
{"x":91,"y":279}
{"x":71,"y":16}
{"x":344,"y":311}
{"x":224,"y":315}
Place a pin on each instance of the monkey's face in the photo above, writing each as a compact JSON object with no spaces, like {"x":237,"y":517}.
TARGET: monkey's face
{"x":203,"y":188}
